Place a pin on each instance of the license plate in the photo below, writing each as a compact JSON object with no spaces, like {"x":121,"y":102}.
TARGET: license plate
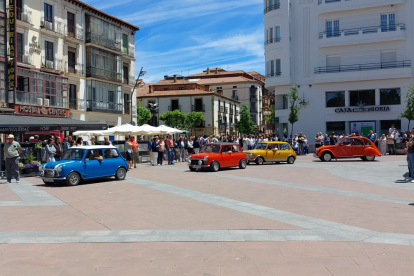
{"x":48,"y":180}
{"x":196,"y":167}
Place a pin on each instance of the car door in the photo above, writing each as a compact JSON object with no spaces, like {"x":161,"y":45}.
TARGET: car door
{"x":93,"y":168}
{"x":113,"y":161}
{"x":284,"y":151}
{"x":226,"y":156}
{"x":272,"y":152}
{"x":344,"y":148}
{"x":357,"y":147}
{"x":236,"y":155}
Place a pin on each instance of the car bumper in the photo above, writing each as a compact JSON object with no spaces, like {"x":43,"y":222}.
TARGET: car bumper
{"x":199,"y":166}
{"x":314,"y":155}
{"x":53,"y":180}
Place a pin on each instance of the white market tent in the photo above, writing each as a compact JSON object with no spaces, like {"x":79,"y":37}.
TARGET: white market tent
{"x":128,"y":129}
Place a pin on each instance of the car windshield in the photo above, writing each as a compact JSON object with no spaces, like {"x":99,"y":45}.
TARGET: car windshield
{"x":210,"y":148}
{"x":260,"y":146}
{"x":73,"y":154}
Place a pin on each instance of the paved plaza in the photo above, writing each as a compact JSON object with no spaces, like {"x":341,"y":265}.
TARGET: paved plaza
{"x":312,"y":218}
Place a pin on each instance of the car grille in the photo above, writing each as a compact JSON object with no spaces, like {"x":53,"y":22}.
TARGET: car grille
{"x":50,"y":173}
{"x":195,"y":162}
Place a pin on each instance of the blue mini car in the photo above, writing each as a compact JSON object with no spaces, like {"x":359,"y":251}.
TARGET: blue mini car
{"x":81,"y":163}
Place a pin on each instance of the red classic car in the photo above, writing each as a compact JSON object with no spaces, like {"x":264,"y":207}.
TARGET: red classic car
{"x":218,"y":155}
{"x":349,"y":147}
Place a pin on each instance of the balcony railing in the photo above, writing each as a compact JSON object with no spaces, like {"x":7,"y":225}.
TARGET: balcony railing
{"x":77,"y":104}
{"x":74,"y":68}
{"x":103,"y":41}
{"x":235,"y":98}
{"x":51,"y":25}
{"x":363,"y":67}
{"x":231,"y":111}
{"x":24,"y":15}
{"x":104,"y":74}
{"x":106,"y":107}
{"x":198,"y":108}
{"x":271,"y":8}
{"x":273,"y":40}
{"x":25,"y":58}
{"x":363,"y":30}
{"x":274,"y":74}
{"x":52,"y":64}
{"x":171,"y":108}
{"x":327,"y":1}
{"x":73,"y":32}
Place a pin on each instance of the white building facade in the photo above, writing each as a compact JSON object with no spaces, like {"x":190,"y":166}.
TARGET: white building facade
{"x":350,"y":58}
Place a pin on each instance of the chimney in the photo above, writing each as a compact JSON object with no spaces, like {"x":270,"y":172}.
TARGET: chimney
{"x":165,"y":77}
{"x":175,"y":78}
{"x":208,"y":70}
{"x":216,"y":70}
{"x":150,"y":89}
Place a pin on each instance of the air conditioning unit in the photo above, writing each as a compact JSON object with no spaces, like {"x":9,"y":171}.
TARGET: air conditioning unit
{"x":49,"y":64}
{"x":46,"y":102}
{"x":25,"y":59}
{"x":25,"y":17}
{"x":39,"y":101}
{"x":48,"y":26}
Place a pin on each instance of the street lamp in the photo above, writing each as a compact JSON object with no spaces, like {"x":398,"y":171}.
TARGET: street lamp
{"x":141,"y":73}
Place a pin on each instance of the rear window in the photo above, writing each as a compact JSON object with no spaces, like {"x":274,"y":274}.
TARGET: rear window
{"x":284,"y":147}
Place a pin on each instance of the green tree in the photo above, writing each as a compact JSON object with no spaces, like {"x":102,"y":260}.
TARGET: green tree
{"x":174,"y":118}
{"x":143,"y":115}
{"x":269,"y":119}
{"x":245,"y":125}
{"x":192,"y":120}
{"x":295,"y":104}
{"x":408,"y":112}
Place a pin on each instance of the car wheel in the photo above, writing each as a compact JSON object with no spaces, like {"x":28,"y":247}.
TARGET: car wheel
{"x":259,"y":161}
{"x":120,"y":174}
{"x":242,"y":164}
{"x":363,"y":158}
{"x":192,"y":169}
{"x":73,"y":179}
{"x":215,"y":166}
{"x":47,"y":183}
{"x":291,"y":160}
{"x":248,"y":162}
{"x":370,"y":158}
{"x":326,"y":156}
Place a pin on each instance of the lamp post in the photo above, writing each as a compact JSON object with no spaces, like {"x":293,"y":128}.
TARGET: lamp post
{"x":141,"y":73}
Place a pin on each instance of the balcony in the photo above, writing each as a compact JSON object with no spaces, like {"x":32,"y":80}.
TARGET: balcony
{"x":77,"y":104}
{"x":109,"y":43}
{"x":129,"y":81}
{"x":53,"y":65}
{"x":172,"y":108}
{"x":103,"y":74}
{"x":328,"y":6}
{"x":74,"y":33}
{"x":198,"y":108}
{"x":51,"y":25}
{"x":24,"y":15}
{"x":320,"y":2}
{"x":273,"y":40}
{"x":362,"y":67}
{"x":271,"y":8}
{"x":74,"y":68}
{"x":274,"y":74}
{"x":25,"y":58}
{"x":106,"y":107}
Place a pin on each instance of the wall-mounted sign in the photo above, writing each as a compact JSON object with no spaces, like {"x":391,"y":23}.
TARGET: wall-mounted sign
{"x":3,"y":105}
{"x":34,"y":46}
{"x":41,"y":110}
{"x":362,"y":108}
{"x":12,"y":45}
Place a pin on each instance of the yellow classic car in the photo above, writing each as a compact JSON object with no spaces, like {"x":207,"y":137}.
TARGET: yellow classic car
{"x":271,"y":152}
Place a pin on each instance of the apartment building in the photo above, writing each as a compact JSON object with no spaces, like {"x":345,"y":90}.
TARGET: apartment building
{"x":72,"y":60}
{"x":177,"y":93}
{"x":248,"y":88}
{"x":350,"y":58}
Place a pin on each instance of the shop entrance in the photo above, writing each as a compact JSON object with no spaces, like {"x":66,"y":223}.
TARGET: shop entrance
{"x":362,"y":127}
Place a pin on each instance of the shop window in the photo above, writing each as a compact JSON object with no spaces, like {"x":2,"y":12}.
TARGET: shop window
{"x":336,"y":127}
{"x":363,"y":97}
{"x":390,"y":96}
{"x":335,"y":99}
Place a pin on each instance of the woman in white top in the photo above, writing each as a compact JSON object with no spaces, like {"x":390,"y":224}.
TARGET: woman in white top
{"x":382,"y":143}
{"x":190,"y":146}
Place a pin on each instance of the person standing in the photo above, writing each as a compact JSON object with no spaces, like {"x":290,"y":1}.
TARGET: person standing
{"x":371,"y":136}
{"x":300,"y":142}
{"x":170,"y":149}
{"x":91,"y":141}
{"x":390,"y":142}
{"x":245,"y":143}
{"x":50,"y":150}
{"x":128,"y":152}
{"x":332,"y":139}
{"x":326,"y":140}
{"x":154,"y":150}
{"x":382,"y":143}
{"x":79,"y":142}
{"x":161,"y":148}
{"x":197,"y":145}
{"x":106,"y":141}
{"x":305,"y":145}
{"x":410,"y":156}
{"x":135,"y":151}
{"x":190,"y":146}
{"x":182,"y":147}
{"x":59,"y":148}
{"x":12,"y":150}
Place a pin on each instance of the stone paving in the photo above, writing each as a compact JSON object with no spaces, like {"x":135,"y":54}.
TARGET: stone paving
{"x":347,"y":217}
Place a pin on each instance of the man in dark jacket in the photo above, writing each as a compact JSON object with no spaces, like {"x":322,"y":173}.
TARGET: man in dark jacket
{"x":59,"y":149}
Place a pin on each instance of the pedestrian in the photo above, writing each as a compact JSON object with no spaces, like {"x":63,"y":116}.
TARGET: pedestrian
{"x":305,"y":145}
{"x":382,"y":143}
{"x":183,"y":147}
{"x":190,"y":146}
{"x":12,"y":151}
{"x":326,"y":140}
{"x":161,"y":148}
{"x":371,"y":136}
{"x":295,"y":146}
{"x":50,"y":150}
{"x":317,"y":141}
{"x":59,"y":149}
{"x":332,"y":139}
{"x":154,"y":150}
{"x":79,"y":142}
{"x":214,"y":139}
{"x":186,"y":147}
{"x":410,"y":156}
{"x":135,"y":151}
{"x":128,"y":152}
{"x":300,"y":142}
{"x":91,"y":141}
{"x":106,"y":141}
{"x":176,"y":151}
{"x":170,"y":149}
{"x":390,"y":143}
{"x":197,"y":145}
{"x":245,"y":143}
{"x":35,"y":139}
{"x":72,"y":144}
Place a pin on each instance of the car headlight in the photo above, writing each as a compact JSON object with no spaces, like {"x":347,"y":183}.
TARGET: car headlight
{"x":200,"y":162}
{"x":41,"y":168}
{"x":189,"y":161}
{"x":58,"y":168}
{"x":205,"y":158}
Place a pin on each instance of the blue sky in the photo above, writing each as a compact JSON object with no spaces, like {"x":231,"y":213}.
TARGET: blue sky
{"x":187,"y":36}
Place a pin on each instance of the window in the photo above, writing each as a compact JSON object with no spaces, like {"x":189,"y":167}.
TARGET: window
{"x":71,"y":59}
{"x":166,"y":89}
{"x":277,"y":37}
{"x":285,"y":102}
{"x":278,"y":68}
{"x":388,"y":22}
{"x":181,"y":88}
{"x":198,"y":104}
{"x":332,"y":28}
{"x":271,"y":35}
{"x":125,"y":70}
{"x":71,"y":23}
{"x":236,"y":148}
{"x":346,"y":141}
{"x":20,"y":45}
{"x":2,"y":40}
{"x":357,"y":142}
{"x":124,"y":43}
{"x":284,"y":146}
{"x":126,"y":103}
{"x":233,"y":94}
{"x":335,"y":99}
{"x":272,"y":68}
{"x":337,"y":127}
{"x":390,"y":96}
{"x":48,"y":13}
{"x":49,"y":50}
{"x":234,"y":87}
{"x":174,"y":105}
{"x":364,"y":97}
{"x":333,"y":63}
{"x":111,"y":154}
{"x":253,"y":118}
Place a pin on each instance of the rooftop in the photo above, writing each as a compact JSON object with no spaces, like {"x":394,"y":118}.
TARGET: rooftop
{"x":221,"y":80}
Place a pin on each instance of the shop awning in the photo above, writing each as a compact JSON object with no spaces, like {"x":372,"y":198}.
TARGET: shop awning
{"x":16,"y":123}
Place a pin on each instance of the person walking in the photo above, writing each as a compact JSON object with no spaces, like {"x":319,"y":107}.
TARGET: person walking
{"x":390,"y":143}
{"x":50,"y":150}
{"x":128,"y":152}
{"x":170,"y":149}
{"x":382,"y":143}
{"x":135,"y":151}
{"x":154,"y":150}
{"x":59,"y":149}
{"x":12,"y":150}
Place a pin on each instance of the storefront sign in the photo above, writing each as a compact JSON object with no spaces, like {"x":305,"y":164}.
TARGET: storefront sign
{"x":34,"y":47}
{"x":3,"y":105}
{"x":41,"y":110}
{"x":12,"y":45}
{"x":362,"y":109}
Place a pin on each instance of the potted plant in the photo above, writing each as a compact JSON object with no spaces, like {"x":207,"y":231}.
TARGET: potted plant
{"x":35,"y":166}
{"x":25,"y":168}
